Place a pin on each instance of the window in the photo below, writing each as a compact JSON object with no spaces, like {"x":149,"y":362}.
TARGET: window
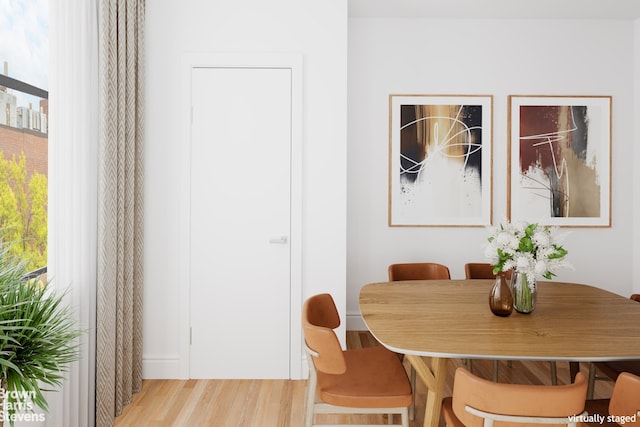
{"x":24,"y":46}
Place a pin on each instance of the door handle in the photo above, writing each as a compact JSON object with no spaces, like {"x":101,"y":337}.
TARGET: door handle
{"x":280,"y":240}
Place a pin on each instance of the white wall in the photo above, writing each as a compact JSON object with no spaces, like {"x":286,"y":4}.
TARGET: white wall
{"x":318,"y":31}
{"x":499,"y":58}
{"x":636,"y":170}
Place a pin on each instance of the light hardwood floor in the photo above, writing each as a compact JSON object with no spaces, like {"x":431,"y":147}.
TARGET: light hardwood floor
{"x":280,"y":403}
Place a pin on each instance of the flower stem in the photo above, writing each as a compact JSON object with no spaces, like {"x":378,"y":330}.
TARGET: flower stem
{"x":523,"y":295}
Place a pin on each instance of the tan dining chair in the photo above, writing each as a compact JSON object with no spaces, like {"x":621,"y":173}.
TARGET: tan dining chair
{"x":611,"y":370}
{"x":621,"y":407}
{"x":480,"y":270}
{"x":363,"y":381}
{"x":478,"y":402}
{"x":418,"y":271}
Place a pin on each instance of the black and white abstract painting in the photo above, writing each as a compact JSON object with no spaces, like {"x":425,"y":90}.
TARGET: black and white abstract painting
{"x":440,"y":161}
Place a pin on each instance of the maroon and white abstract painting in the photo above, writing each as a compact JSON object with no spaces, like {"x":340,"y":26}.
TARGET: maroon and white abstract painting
{"x":560,"y":160}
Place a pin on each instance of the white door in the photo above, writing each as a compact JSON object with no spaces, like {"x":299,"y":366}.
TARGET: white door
{"x":240,"y":222}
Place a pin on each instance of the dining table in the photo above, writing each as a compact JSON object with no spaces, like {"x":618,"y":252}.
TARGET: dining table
{"x":433,"y":321}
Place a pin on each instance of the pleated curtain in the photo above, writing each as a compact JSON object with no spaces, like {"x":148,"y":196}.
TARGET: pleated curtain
{"x":120,"y":206}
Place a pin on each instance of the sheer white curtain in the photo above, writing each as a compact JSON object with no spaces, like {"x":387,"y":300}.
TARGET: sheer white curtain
{"x":73,"y":148}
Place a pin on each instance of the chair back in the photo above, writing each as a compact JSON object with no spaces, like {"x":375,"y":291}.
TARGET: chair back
{"x":515,"y":399}
{"x":319,"y":318}
{"x":481,"y":270}
{"x":418,"y":271}
{"x":625,"y":400}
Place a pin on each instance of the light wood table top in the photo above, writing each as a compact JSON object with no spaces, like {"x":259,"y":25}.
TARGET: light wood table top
{"x":444,"y":319}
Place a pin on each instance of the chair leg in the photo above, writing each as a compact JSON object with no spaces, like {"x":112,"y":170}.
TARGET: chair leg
{"x":405,"y":417}
{"x":592,"y":381}
{"x":312,"y":384}
{"x":554,"y":373}
{"x":495,"y":371}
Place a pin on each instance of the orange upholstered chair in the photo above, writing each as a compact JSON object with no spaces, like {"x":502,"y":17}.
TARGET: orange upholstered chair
{"x":477,"y":402}
{"x":482,"y":270}
{"x":418,"y":271}
{"x":364,"y":380}
{"x":612,"y":369}
{"x":623,"y":405}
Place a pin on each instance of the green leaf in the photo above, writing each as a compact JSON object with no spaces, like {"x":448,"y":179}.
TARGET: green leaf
{"x":526,"y":244}
{"x":530,"y":230}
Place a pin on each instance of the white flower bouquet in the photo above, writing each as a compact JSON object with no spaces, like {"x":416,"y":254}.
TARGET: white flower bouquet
{"x":530,"y":249}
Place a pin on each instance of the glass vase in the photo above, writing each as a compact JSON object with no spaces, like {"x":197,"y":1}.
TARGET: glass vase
{"x":524,"y":292}
{"x":500,"y":298}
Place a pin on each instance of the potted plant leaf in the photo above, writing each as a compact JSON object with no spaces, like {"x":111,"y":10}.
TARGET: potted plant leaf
{"x":38,"y":339}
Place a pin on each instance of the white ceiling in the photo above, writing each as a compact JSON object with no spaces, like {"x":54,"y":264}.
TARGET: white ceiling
{"x":509,"y":9}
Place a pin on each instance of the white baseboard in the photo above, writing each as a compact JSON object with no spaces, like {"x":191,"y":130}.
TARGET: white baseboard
{"x":165,"y":368}
{"x":355,"y":322}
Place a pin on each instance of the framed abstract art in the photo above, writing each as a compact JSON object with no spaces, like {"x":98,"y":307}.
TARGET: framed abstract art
{"x":440,"y":160}
{"x":560,"y":160}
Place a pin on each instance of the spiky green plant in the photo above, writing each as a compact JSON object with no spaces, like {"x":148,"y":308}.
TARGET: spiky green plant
{"x":38,"y":337}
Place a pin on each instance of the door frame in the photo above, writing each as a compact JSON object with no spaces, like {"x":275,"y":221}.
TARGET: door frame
{"x":293,"y":62}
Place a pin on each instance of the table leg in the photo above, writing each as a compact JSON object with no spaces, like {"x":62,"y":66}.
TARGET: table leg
{"x":434,"y":378}
{"x":574,"y":368}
